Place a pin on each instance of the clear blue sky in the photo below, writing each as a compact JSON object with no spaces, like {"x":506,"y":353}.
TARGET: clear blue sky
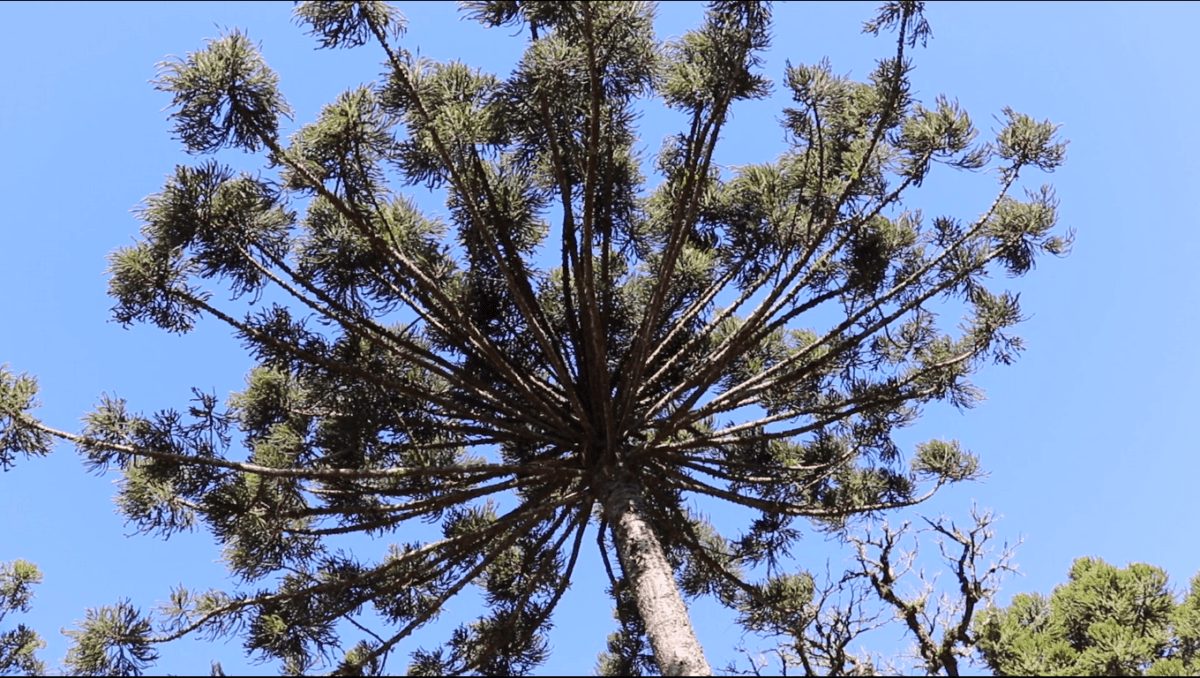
{"x":1090,"y":438}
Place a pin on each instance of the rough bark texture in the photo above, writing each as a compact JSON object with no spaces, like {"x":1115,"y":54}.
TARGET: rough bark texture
{"x":647,"y":571}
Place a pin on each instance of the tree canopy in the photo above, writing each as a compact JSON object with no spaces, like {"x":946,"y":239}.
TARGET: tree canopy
{"x":572,"y":353}
{"x":1105,"y":621}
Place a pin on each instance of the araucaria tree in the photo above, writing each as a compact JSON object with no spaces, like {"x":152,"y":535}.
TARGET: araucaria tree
{"x":1104,"y":621}
{"x":571,"y":357}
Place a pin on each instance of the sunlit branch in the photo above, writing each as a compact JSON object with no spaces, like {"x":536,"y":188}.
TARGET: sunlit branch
{"x":451,"y":560}
{"x":803,"y":283}
{"x":539,"y":574}
{"x":551,"y":394}
{"x":696,"y":165}
{"x":365,"y":578}
{"x":462,"y":411}
{"x":690,"y":313}
{"x":521,"y":295}
{"x":684,"y":212}
{"x":756,"y":327}
{"x":717,"y":362}
{"x":797,"y":486}
{"x":496,"y":551}
{"x":403,"y":348}
{"x":568,"y":244}
{"x":593,"y":331}
{"x":306,"y":474}
{"x":749,"y":332}
{"x":895,"y":395}
{"x":705,"y":464}
{"x":447,"y":307}
{"x":690,"y":484}
{"x":728,"y":436}
{"x":781,"y":479}
{"x":401,"y":512}
{"x":429,"y":359}
{"x":747,"y":390}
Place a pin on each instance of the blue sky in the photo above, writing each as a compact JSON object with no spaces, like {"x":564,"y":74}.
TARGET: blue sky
{"x":1090,"y":437}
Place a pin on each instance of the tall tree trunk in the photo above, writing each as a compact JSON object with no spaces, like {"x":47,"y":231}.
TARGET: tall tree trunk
{"x":647,"y":572}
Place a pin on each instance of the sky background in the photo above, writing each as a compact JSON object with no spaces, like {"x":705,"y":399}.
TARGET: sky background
{"x":1090,"y":438}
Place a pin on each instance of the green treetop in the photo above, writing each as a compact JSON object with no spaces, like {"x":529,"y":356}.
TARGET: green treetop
{"x":592,"y":346}
{"x":1105,"y":621}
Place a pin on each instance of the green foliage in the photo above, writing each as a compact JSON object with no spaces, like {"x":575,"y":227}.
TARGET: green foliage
{"x":111,"y":641}
{"x":1104,"y":621}
{"x":18,"y":647}
{"x":571,"y":330}
{"x":18,"y":395}
{"x":226,"y":96}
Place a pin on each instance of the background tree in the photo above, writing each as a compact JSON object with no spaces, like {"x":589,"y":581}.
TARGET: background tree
{"x":670,"y":348}
{"x":18,"y":647}
{"x":882,"y":587}
{"x":1104,"y":621}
